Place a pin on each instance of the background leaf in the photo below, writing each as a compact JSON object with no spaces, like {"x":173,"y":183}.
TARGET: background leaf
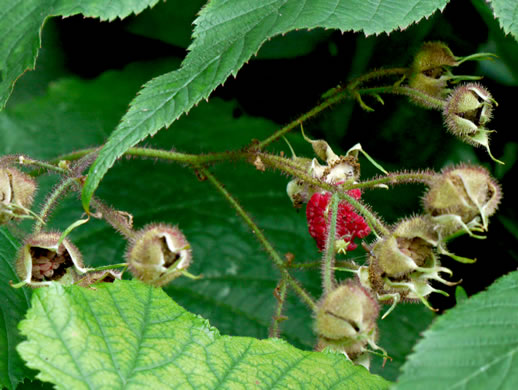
{"x":506,"y":11}
{"x":472,"y":346}
{"x":218,"y":51}
{"x":13,"y":305}
{"x":130,"y":335}
{"x":21,"y":23}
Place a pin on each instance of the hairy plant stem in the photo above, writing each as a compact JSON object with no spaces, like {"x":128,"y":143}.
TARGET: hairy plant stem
{"x":54,"y":196}
{"x":397,"y":178}
{"x":120,"y":221}
{"x":283,"y":164}
{"x":317,"y":264}
{"x":328,"y":258}
{"x":41,"y":164}
{"x":297,"y":122}
{"x":262,"y":239}
{"x":280,"y":295}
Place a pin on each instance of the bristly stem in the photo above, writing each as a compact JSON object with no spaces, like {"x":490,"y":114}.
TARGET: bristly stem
{"x":328,"y":258}
{"x":41,"y":164}
{"x":262,"y":239}
{"x":297,"y":122}
{"x":280,"y":296}
{"x":397,"y":178}
{"x":54,"y":196}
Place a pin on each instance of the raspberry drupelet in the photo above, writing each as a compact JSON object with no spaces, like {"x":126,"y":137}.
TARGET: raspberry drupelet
{"x":348,"y":223}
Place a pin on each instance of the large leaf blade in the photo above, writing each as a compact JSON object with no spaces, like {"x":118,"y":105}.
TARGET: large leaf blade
{"x":21,"y":24}
{"x":13,"y":304}
{"x":506,"y":11}
{"x":130,"y":335}
{"x":227,"y":34}
{"x":472,"y":346}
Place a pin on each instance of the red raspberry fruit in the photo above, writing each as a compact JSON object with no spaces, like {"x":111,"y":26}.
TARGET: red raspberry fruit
{"x":348,"y":224}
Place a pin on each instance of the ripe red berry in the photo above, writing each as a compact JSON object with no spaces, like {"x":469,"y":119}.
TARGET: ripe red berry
{"x":348,"y":224}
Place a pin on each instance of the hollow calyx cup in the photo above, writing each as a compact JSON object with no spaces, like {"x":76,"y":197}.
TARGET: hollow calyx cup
{"x":16,"y":194}
{"x":345,"y":321}
{"x":42,"y":260}
{"x":430,"y":72}
{"x":468,"y":110}
{"x":158,"y":254}
{"x":462,"y":197}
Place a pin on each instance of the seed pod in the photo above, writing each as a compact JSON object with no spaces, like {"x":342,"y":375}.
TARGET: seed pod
{"x":158,"y":254}
{"x":16,"y":194}
{"x":40,"y":260}
{"x":467,"y":191}
{"x":346,"y":319}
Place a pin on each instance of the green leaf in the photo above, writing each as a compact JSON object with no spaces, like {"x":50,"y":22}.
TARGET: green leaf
{"x":506,"y":11}
{"x":133,"y":336}
{"x":472,"y":346}
{"x":22,"y":21}
{"x":169,"y":21}
{"x":14,"y":303}
{"x":218,"y":51}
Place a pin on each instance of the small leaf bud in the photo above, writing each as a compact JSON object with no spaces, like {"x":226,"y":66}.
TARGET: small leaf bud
{"x":40,"y":260}
{"x":16,"y":194}
{"x":467,"y":191}
{"x":346,"y":319}
{"x":158,"y":254}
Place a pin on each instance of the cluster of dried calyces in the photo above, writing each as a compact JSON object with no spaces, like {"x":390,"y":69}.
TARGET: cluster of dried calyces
{"x":403,"y":264}
{"x":467,"y":108}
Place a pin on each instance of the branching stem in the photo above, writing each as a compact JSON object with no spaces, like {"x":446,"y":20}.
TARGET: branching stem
{"x":262,"y":239}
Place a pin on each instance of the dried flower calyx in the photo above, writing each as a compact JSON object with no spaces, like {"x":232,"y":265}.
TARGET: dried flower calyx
{"x":41,"y":260}
{"x":16,"y":194}
{"x":158,"y":254}
{"x":336,"y":171}
{"x":430,"y":71}
{"x":467,"y":194}
{"x":467,"y":111}
{"x":346,"y":320}
{"x":403,"y":264}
